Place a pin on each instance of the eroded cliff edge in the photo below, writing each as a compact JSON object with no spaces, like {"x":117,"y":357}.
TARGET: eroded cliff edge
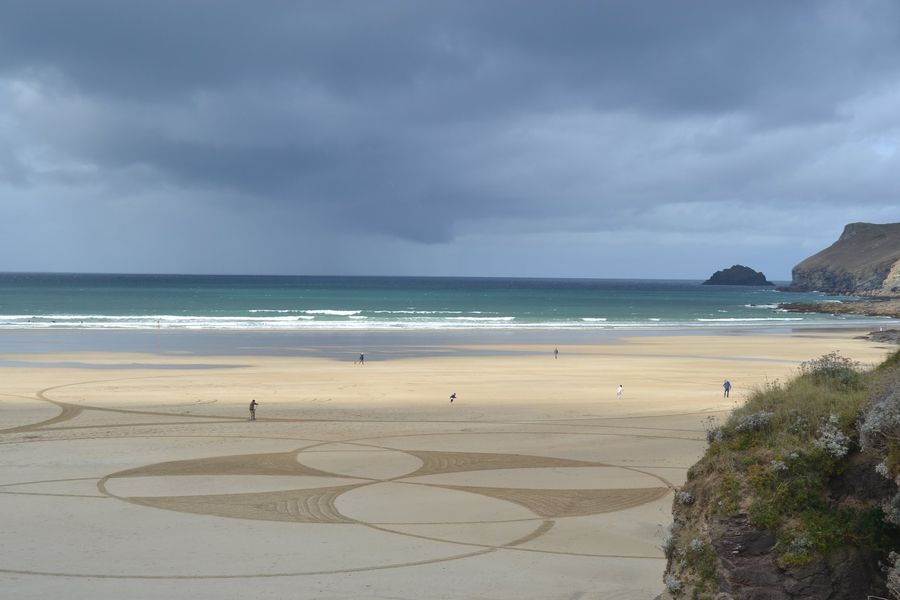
{"x":864,"y":260}
{"x":797,"y":496}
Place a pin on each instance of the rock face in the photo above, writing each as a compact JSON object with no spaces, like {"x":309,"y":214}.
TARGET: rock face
{"x":871,"y":307}
{"x":865,"y":259}
{"x":884,"y":336}
{"x":746,"y":569}
{"x":744,"y":564}
{"x":737,"y":275}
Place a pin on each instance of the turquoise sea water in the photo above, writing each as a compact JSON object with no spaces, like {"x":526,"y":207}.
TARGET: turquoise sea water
{"x":188,"y":302}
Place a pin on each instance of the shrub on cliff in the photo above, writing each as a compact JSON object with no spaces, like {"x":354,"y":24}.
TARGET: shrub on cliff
{"x":879,"y":431}
{"x":779,"y":465}
{"x":832,"y":439}
{"x":880,"y":428}
{"x":832,"y":368}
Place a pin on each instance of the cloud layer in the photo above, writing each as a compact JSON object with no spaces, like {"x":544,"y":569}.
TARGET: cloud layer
{"x":608,"y":139}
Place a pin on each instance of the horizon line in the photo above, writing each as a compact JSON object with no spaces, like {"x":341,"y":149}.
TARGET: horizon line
{"x":524,"y":277}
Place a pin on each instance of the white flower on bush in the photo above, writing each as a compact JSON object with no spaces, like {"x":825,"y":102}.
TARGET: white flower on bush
{"x":799,"y":424}
{"x":893,"y":575}
{"x":891,"y":510}
{"x":779,"y":465}
{"x":882,"y":422}
{"x":882,"y":469}
{"x":714,"y":434}
{"x":801,"y":544}
{"x":668,"y":546}
{"x":684,"y":498}
{"x":755,"y":422}
{"x":673,"y":584}
{"x":832,"y":440}
{"x":832,"y":366}
{"x":695,"y":545}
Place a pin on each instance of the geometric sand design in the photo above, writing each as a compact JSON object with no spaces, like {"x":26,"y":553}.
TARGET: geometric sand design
{"x":570,"y":503}
{"x":436,"y":463}
{"x":416,"y":501}
{"x":274,"y":463}
{"x":317,"y":505}
{"x":298,"y":506}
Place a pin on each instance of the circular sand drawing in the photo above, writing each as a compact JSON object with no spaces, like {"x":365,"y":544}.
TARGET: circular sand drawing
{"x":391,"y":490}
{"x":356,"y":505}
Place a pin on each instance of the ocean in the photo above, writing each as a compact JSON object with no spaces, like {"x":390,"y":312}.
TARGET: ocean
{"x":33,"y":301}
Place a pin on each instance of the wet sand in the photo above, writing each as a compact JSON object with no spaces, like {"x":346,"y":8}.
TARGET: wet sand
{"x":138,"y":474}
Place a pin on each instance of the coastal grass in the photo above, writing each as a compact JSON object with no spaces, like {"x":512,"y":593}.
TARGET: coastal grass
{"x":692,"y":549}
{"x":774,"y":461}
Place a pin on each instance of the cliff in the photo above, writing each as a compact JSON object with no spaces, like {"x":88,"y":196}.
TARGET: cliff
{"x":865,"y":259}
{"x":737,"y":275}
{"x":797,"y":495}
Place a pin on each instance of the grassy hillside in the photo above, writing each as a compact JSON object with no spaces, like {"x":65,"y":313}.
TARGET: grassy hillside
{"x":862,"y":246}
{"x":864,"y":259}
{"x":805,"y":469}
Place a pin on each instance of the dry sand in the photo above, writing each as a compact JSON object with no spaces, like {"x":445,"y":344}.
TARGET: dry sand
{"x":363,"y":481}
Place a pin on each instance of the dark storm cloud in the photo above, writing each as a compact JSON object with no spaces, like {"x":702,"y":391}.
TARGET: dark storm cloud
{"x":689,"y":56}
{"x":426,"y":121}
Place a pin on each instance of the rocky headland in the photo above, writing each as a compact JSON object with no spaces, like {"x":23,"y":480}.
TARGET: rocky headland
{"x":797,"y":495}
{"x":737,"y":275}
{"x":865,"y":260}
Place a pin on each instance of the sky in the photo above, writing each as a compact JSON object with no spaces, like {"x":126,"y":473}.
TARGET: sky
{"x":608,"y":139}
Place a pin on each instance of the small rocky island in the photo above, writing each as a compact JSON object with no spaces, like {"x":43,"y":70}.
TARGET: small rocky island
{"x":738,"y":275}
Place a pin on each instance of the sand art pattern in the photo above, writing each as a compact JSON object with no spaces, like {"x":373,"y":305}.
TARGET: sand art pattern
{"x":537,"y":483}
{"x":317,"y":505}
{"x":389,"y":486}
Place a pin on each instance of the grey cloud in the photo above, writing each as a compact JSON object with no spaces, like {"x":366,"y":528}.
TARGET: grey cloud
{"x":428,"y":122}
{"x":695,"y":57}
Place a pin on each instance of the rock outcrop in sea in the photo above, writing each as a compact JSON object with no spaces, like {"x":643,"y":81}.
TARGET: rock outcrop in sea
{"x":737,"y":275}
{"x":865,"y":260}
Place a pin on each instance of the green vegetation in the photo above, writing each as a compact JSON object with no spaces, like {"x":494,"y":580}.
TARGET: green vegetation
{"x":775,"y":456}
{"x":777,"y":460}
{"x":694,"y":552}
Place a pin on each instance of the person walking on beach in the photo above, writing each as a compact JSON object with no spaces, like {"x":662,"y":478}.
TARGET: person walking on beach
{"x":452,"y":397}
{"x":727,"y":388}
{"x":362,"y":358}
{"x":556,"y":353}
{"x":620,"y":391}
{"x":253,"y":404}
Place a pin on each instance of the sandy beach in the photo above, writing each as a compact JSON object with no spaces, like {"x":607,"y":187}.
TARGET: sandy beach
{"x":126,"y":475}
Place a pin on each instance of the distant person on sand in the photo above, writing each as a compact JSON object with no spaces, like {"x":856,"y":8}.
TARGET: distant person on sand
{"x":362,"y":358}
{"x":253,"y":404}
{"x":620,"y":391}
{"x":452,"y":397}
{"x":556,"y":353}
{"x":727,"y":388}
